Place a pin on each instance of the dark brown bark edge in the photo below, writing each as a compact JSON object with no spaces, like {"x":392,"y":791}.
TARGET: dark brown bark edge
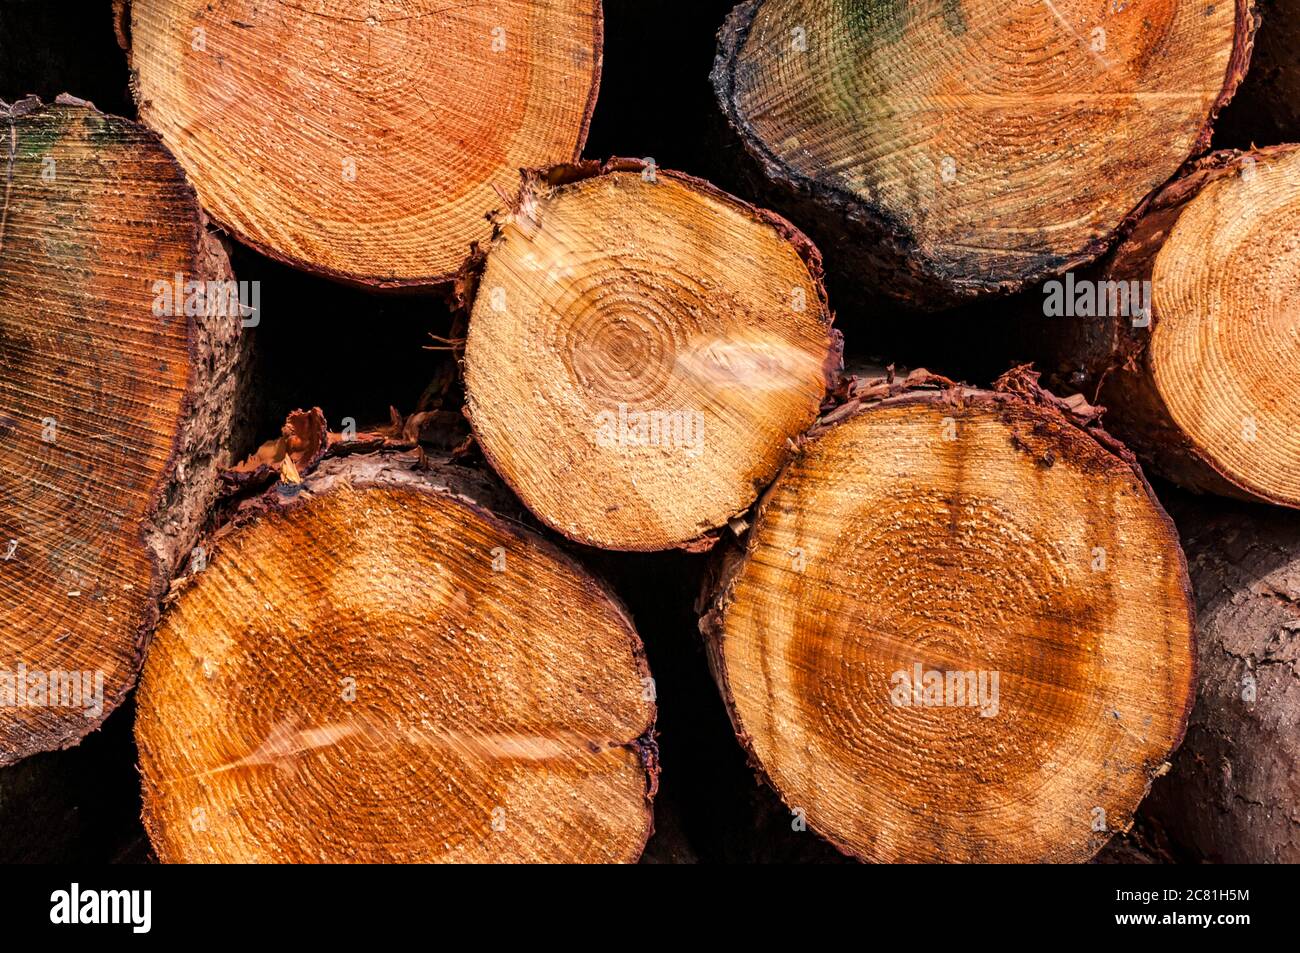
{"x":209,"y":431}
{"x":1107,"y":357}
{"x":856,"y":395}
{"x":866,"y":240}
{"x":1233,"y":794}
{"x":323,"y":462}
{"x":523,"y":205}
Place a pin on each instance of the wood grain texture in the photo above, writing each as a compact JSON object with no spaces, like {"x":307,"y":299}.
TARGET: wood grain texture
{"x":113,"y":419}
{"x":641,"y":351}
{"x":501,"y":713}
{"x":956,"y":149}
{"x":968,"y":532}
{"x":363,"y":141}
{"x":1205,"y":392}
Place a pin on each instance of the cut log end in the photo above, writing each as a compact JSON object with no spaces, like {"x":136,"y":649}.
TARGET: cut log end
{"x":1187,"y":334}
{"x":960,"y":631}
{"x":642,"y":350}
{"x":374,"y":667}
{"x":113,"y":416}
{"x":414,"y":114}
{"x":980,"y":172}
{"x":1226,"y":306}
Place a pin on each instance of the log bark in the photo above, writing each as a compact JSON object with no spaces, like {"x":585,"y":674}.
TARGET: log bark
{"x":1233,"y":795}
{"x":116,"y":409}
{"x":362,"y":144}
{"x":376,"y":665}
{"x":948,"y":151}
{"x":971,"y":534}
{"x":1199,"y":380}
{"x":642,"y":349}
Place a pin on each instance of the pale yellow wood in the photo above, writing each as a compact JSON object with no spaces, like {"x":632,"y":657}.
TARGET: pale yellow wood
{"x":619,"y":299}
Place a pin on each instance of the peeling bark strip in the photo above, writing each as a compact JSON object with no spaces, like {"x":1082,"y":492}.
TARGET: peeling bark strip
{"x":1233,"y":792}
{"x":1204,"y":387}
{"x":642,"y":350}
{"x":366,"y":147}
{"x":967,"y":532}
{"x":114,"y":420}
{"x":941,"y":172}
{"x":375,"y":666}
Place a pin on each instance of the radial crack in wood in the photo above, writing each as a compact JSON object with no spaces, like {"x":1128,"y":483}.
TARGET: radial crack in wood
{"x":376,"y":667}
{"x":642,"y":350}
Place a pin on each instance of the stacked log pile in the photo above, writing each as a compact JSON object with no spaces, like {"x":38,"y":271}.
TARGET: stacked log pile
{"x":646,"y":572}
